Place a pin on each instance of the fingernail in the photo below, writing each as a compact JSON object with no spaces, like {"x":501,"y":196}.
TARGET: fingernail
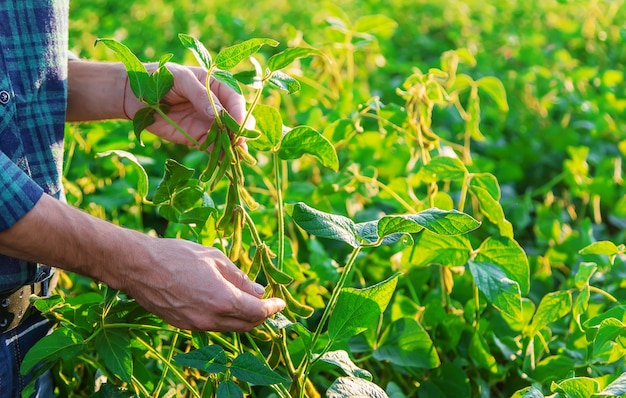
{"x":258,"y":289}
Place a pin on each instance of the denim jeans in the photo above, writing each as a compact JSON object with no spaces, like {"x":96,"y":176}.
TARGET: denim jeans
{"x":14,"y":345}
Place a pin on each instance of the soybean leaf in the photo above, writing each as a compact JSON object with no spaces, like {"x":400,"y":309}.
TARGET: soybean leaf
{"x":552,"y":367}
{"x":508,"y":255}
{"x":341,"y":359}
{"x":576,"y":387}
{"x":616,"y":388}
{"x":406,"y":343}
{"x":249,"y":78}
{"x":228,"y":79}
{"x":442,"y":222}
{"x":502,"y":292}
{"x":63,"y":343}
{"x":284,"y":82}
{"x":492,"y":210}
{"x":443,"y":168}
{"x":488,"y":182}
{"x":584,"y":274}
{"x":176,"y":175}
{"x":305,"y":140}
{"x":368,"y":231}
{"x":553,"y":306}
{"x":322,"y":224}
{"x":249,"y":368}
{"x":137,"y":73}
{"x":609,"y":330}
{"x":380,"y":25}
{"x":198,"y":49}
{"x":356,"y":309}
{"x":159,"y":83}
{"x":142,"y":119}
{"x":354,"y":387}
{"x":605,"y":248}
{"x":494,"y":87}
{"x":113,"y":346}
{"x":580,"y":305}
{"x":229,"y":57}
{"x":480,"y":353}
{"x":286,"y":57}
{"x":142,"y":180}
{"x":431,"y":248}
{"x":196,"y":216}
{"x":528,"y":392}
{"x":211,"y":359}
{"x":591,"y":325}
{"x":270,"y":123}
{"x":229,"y":389}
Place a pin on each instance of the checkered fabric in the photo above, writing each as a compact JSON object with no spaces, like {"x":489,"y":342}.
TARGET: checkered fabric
{"x":33,"y":94}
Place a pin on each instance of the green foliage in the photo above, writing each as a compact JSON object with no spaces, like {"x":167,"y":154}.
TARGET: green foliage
{"x":445,"y":218}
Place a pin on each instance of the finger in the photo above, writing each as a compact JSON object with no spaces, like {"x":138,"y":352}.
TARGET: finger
{"x":255,"y":310}
{"x":233,"y":102}
{"x":241,"y":281}
{"x":193,"y":90}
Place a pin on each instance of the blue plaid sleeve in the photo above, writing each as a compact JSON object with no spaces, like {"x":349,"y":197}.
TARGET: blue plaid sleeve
{"x":18,"y":193}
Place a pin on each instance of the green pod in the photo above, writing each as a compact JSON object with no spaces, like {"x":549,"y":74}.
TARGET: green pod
{"x":274,"y":274}
{"x":294,"y":306}
{"x":225,"y":222}
{"x":236,"y":240}
{"x":255,"y":267}
{"x":226,"y":160}
{"x":211,"y":137}
{"x":209,"y":171}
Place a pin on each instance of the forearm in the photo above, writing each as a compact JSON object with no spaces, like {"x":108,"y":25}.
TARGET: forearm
{"x":95,"y":91}
{"x":56,"y":234}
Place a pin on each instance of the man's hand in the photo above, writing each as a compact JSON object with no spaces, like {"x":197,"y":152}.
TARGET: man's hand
{"x":189,"y":103}
{"x":100,"y":91}
{"x":198,"y":288}
{"x":186,"y":284}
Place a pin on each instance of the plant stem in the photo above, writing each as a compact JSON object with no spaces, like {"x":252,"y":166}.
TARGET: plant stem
{"x":218,"y":119}
{"x":389,"y":191}
{"x":463,"y":195}
{"x":604,"y":293}
{"x":255,"y":100}
{"x":168,"y":364}
{"x":280,"y":211}
{"x":335,"y":295}
{"x":278,"y":388}
{"x":159,"y":386}
{"x":176,"y":126}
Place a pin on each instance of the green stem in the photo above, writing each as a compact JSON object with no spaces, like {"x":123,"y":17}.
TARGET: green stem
{"x":477,"y":305}
{"x":604,"y":293}
{"x":463,"y":195}
{"x":442,"y":279}
{"x":389,"y":191}
{"x":168,"y":364}
{"x":255,"y":101}
{"x":176,"y":126}
{"x":278,"y":388}
{"x":218,"y":119}
{"x":280,"y":210}
{"x":170,"y":355}
{"x":335,"y":295}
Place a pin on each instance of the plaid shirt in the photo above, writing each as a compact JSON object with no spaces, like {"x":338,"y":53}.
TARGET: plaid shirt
{"x":33,"y":93}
